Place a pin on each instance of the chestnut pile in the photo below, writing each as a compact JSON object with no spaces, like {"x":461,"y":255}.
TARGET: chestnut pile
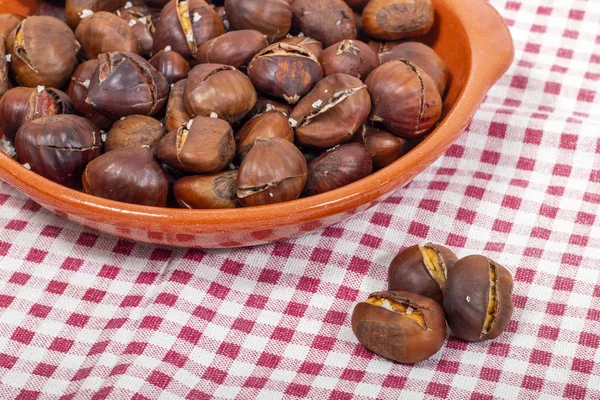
{"x":429,"y":286}
{"x":217,"y":105}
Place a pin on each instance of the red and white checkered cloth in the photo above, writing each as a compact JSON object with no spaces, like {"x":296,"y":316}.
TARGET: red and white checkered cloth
{"x":89,"y":316}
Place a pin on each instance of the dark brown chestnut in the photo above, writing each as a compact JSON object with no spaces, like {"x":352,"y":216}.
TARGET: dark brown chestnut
{"x":264,"y":104}
{"x":8,"y":22}
{"x":267,"y":125}
{"x":385,"y":147}
{"x":308,"y":43}
{"x":219,"y":91}
{"x":134,"y":131}
{"x":405,"y":99}
{"x":478,"y":298}
{"x":142,"y":27}
{"x":104,"y":32}
{"x":273,"y":171}
{"x":422,"y":270}
{"x":270,"y":17}
{"x":357,"y":5}
{"x":285,"y":70}
{"x":223,"y":15}
{"x":402,"y":326}
{"x":77,"y":10}
{"x":332,"y":112}
{"x":338,"y":167}
{"x":176,"y":114}
{"x":59,"y":147}
{"x":171,"y":64}
{"x":328,"y":21}
{"x":126,"y":84}
{"x":21,"y":104}
{"x":208,"y":191}
{"x":397,"y":19}
{"x":185,"y":25}
{"x":43,"y":52}
{"x":52,"y":8}
{"x":4,"y":68}
{"x":234,"y":48}
{"x":156,"y":3}
{"x":351,"y":57}
{"x":204,"y":145}
{"x":127,"y":175}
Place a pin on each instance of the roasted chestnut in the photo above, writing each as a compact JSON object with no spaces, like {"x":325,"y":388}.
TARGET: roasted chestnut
{"x":77,"y":10}
{"x":127,"y":175}
{"x":207,"y":191}
{"x":126,"y":84}
{"x":141,"y":25}
{"x":385,"y":148}
{"x":176,"y":114}
{"x":59,"y":147}
{"x":264,"y":104}
{"x":478,"y":298}
{"x":402,"y":326}
{"x":267,"y":125}
{"x":8,"y":22}
{"x":397,"y":19}
{"x":351,"y":57}
{"x":204,"y":145}
{"x":104,"y":32}
{"x":185,"y":25}
{"x":4,"y":79}
{"x":382,"y":47}
{"x":43,"y":52}
{"x":308,"y":43}
{"x":422,"y":270}
{"x":52,"y":8}
{"x":223,"y":15}
{"x":22,"y":104}
{"x":273,"y":171}
{"x":234,"y":48}
{"x":270,"y":17}
{"x":171,"y":64}
{"x":405,"y":99}
{"x":285,"y":70}
{"x":338,"y":167}
{"x":332,"y":112}
{"x":357,"y":5}
{"x":134,"y":131}
{"x":328,"y":21}
{"x":219,"y":91}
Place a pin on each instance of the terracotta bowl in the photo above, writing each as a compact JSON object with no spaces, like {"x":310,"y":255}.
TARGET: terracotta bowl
{"x":469,"y":35}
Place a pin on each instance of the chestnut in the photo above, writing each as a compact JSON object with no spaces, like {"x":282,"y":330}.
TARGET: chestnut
{"x":478,"y":298}
{"x":308,"y":43}
{"x":185,"y":25}
{"x":382,"y":47}
{"x":264,"y":104}
{"x":338,"y":167}
{"x":402,"y":326}
{"x":134,"y":131}
{"x":43,"y":52}
{"x":104,"y":32}
{"x":208,"y":191}
{"x":273,"y":171}
{"x":328,"y":21}
{"x":176,"y":114}
{"x":77,"y":10}
{"x":21,"y":104}
{"x":422,"y":270}
{"x":52,"y":8}
{"x":351,"y":57}
{"x":223,"y":15}
{"x":204,"y":145}
{"x":405,"y":99}
{"x":219,"y":91}
{"x":267,"y":125}
{"x":397,"y":19}
{"x":357,"y":5}
{"x":59,"y":147}
{"x":332,"y":112}
{"x":8,"y":22}
{"x":171,"y":64}
{"x":141,"y":25}
{"x":127,"y":175}
{"x":285,"y":70}
{"x":384,"y":147}
{"x":4,"y":79}
{"x":270,"y":17}
{"x":234,"y":48}
{"x":126,"y":84}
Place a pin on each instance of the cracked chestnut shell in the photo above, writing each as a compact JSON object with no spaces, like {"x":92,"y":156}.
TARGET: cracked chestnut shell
{"x":478,"y":298}
{"x":285,"y":70}
{"x":76,"y":9}
{"x":234,"y":48}
{"x":21,"y":104}
{"x":332,"y":112}
{"x":134,"y":131}
{"x":424,"y":57}
{"x":384,"y":147}
{"x":351,"y":57}
{"x":43,"y":52}
{"x":422,"y":270}
{"x":264,"y":104}
{"x":171,"y":65}
{"x":59,"y":147}
{"x":402,"y":326}
{"x":270,"y":17}
{"x":338,"y":167}
{"x":126,"y":84}
{"x":274,"y":171}
{"x":308,"y":43}
{"x":185,"y":25}
{"x":397,"y":19}
{"x":176,"y":114}
{"x":328,"y":21}
{"x":204,"y":145}
{"x":8,"y":22}
{"x":104,"y":32}
{"x":4,"y":68}
{"x":142,"y":26}
{"x":405,"y":99}
{"x":214,"y":191}
{"x":127,"y":175}
{"x":267,"y":125}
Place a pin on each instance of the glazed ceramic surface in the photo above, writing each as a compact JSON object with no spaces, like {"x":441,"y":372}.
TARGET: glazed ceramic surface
{"x":469,"y":35}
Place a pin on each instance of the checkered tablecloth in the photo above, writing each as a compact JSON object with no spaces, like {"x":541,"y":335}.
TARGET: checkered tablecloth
{"x":84,"y":315}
